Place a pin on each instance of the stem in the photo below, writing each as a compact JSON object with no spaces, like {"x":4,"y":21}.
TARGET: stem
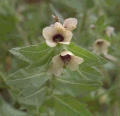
{"x":51,"y":87}
{"x":83,"y":21}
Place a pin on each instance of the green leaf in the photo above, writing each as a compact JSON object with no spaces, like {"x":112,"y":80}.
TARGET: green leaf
{"x":79,"y":82}
{"x":101,"y":24}
{"x":89,"y":57}
{"x":68,"y":106}
{"x":74,"y":83}
{"x":33,"y":53}
{"x":28,"y":85}
{"x":33,"y":96}
{"x":7,"y":110}
{"x":100,"y":20}
{"x":91,"y":73}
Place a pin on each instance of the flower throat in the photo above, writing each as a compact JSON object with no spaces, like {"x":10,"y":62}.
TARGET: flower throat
{"x":58,"y":38}
{"x":65,"y":58}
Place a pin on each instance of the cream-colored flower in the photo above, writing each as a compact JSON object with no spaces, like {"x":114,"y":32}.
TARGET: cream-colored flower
{"x":100,"y":46}
{"x":65,"y":58}
{"x":109,"y":31}
{"x":70,"y":23}
{"x":58,"y":33}
{"x":92,"y":26}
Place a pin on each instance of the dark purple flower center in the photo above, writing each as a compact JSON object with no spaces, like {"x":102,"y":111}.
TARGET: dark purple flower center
{"x":100,"y":43}
{"x":58,"y":38}
{"x":66,"y":58}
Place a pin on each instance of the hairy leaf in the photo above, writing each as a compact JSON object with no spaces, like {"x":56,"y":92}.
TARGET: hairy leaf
{"x":67,"y":106}
{"x":7,"y":110}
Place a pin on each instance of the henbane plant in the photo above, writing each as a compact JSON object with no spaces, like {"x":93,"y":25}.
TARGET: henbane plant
{"x":61,"y":34}
{"x":58,"y":71}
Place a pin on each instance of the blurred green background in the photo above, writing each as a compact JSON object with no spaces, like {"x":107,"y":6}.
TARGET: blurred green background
{"x":21,"y":24}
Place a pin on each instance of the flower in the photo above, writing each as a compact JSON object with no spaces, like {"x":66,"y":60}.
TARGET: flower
{"x":65,"y":58}
{"x":100,"y":46}
{"x":58,"y":33}
{"x":92,"y":26}
{"x":70,"y":23}
{"x":109,"y":31}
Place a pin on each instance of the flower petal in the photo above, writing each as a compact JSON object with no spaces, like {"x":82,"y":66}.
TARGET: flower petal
{"x":59,"y":27}
{"x":57,"y":66}
{"x":67,"y":36}
{"x":101,"y":48}
{"x":48,"y":32}
{"x":109,"y":31}
{"x":74,"y":63}
{"x":51,"y":43}
{"x":70,"y":23}
{"x":65,"y":33}
{"x":64,"y":53}
{"x":64,"y":43}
